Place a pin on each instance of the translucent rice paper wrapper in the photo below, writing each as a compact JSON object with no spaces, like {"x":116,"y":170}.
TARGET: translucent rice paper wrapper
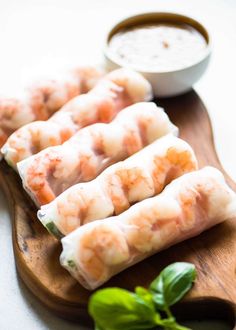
{"x":140,"y":176}
{"x":189,"y":205}
{"x":55,"y":169}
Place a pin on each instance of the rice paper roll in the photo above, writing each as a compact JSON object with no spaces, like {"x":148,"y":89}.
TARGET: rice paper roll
{"x":117,"y":90}
{"x":140,"y":176}
{"x":91,"y":150}
{"x":189,"y":205}
{"x":44,"y":97}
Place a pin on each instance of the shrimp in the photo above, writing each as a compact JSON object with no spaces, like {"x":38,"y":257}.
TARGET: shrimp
{"x":108,"y":249}
{"x":127,"y":185}
{"x":101,"y":104}
{"x":56,"y":173}
{"x":42,"y":99}
{"x":98,"y":250}
{"x":119,"y":186}
{"x":31,"y":143}
{"x":175,"y":162}
{"x":144,"y":232}
{"x":131,"y":85}
{"x":92,"y":149}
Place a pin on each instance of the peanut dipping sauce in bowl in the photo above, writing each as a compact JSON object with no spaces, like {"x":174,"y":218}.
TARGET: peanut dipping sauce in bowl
{"x":172,"y":51}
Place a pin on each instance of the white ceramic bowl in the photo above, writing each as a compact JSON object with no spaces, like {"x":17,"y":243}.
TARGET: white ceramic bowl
{"x":165,"y":83}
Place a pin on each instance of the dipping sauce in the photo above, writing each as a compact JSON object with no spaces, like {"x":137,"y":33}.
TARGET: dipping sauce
{"x":157,"y":47}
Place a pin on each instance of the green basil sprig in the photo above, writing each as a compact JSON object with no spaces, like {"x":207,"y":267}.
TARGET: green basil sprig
{"x":172,"y":284}
{"x":119,"y":309}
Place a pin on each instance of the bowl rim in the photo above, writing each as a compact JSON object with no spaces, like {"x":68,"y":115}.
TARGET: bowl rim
{"x":140,"y":18}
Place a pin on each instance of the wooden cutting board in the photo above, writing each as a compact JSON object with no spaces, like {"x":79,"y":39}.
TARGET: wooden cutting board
{"x":213,"y":252}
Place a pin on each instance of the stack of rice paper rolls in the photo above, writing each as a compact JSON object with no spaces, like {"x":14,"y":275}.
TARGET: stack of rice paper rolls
{"x":107,"y":171}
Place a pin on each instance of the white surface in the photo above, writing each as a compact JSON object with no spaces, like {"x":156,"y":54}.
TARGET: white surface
{"x":39,"y":35}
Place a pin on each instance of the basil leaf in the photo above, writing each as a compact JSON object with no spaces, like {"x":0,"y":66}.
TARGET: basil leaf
{"x":159,"y":300}
{"x":172,"y":284}
{"x":119,"y":309}
{"x":144,"y":294}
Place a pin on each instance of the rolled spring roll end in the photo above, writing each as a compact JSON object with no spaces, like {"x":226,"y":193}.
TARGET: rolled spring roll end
{"x":49,"y":224}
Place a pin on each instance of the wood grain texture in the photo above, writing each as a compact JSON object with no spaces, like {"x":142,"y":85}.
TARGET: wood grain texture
{"x":213,"y":252}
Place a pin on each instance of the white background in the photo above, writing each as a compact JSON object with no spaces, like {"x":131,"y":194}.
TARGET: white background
{"x":36,"y":37}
